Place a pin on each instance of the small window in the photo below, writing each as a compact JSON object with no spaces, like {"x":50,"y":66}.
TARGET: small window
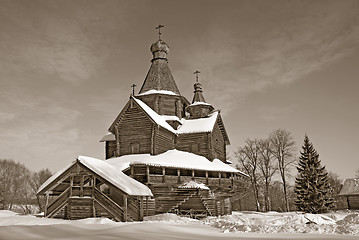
{"x":135,"y":148}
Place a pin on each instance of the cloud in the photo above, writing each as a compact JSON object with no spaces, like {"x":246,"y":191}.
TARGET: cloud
{"x":35,"y":129}
{"x":249,"y":50}
{"x":67,"y":40}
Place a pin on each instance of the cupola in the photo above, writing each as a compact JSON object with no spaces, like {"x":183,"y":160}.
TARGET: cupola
{"x":199,"y":108}
{"x":159,"y":50}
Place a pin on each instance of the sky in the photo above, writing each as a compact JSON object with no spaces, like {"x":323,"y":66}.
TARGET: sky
{"x":66,"y":70}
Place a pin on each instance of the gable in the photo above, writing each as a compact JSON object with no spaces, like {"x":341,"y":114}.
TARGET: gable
{"x":149,"y":113}
{"x":100,"y":169}
{"x":199,"y":125}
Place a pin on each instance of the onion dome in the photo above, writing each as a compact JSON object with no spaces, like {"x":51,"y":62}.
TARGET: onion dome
{"x":159,"y":49}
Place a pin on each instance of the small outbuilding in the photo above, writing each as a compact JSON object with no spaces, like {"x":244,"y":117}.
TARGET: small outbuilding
{"x":90,"y":187}
{"x":350,"y":191}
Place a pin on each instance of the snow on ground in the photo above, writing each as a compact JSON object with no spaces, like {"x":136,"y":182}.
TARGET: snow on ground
{"x":273,"y":222}
{"x":239,"y":225}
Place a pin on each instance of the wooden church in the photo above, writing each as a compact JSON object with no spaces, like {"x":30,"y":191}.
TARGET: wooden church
{"x":164,"y":154}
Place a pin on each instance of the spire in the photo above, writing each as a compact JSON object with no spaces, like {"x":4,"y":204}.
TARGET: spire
{"x":159,"y":76}
{"x":198,"y":96}
{"x":199,"y":108}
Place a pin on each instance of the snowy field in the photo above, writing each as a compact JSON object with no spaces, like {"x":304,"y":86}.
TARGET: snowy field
{"x":239,"y":225}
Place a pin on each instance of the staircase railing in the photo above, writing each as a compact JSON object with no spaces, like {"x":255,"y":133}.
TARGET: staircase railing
{"x":173,"y":209}
{"x":109,"y":205}
{"x":57,"y":204}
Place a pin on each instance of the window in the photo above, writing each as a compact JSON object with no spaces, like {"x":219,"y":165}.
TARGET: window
{"x":135,"y":148}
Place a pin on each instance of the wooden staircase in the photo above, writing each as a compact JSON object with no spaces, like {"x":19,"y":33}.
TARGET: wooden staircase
{"x":209,"y":203}
{"x":109,"y":205}
{"x":175,"y":208}
{"x":56,"y":205}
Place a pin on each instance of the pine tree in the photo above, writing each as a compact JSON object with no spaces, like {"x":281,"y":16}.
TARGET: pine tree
{"x":312,"y":186}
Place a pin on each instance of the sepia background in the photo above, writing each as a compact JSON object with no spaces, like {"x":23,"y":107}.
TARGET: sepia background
{"x":66,"y":68}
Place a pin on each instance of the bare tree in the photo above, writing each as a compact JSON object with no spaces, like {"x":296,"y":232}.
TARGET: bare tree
{"x":13,"y":181}
{"x":283,"y":149}
{"x":268,"y":168}
{"x":357,"y":173}
{"x":248,"y":157}
{"x":37,"y":179}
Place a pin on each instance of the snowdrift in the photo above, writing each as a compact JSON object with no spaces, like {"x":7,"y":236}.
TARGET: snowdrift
{"x":334,"y":225}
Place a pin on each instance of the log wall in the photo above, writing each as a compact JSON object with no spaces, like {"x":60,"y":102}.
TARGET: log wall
{"x":163,"y":141}
{"x":135,"y":127}
{"x":353,"y":202}
{"x":110,"y":148}
{"x":165,"y":104}
{"x":79,"y":208}
{"x":218,"y":144}
{"x":196,"y":143}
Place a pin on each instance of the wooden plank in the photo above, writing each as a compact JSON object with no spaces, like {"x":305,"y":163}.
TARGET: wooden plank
{"x":125,"y":207}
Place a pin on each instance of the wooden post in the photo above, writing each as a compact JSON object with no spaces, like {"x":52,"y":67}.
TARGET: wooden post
{"x":179,"y":176}
{"x":125,"y":207}
{"x":192,"y":174}
{"x":141,"y":208}
{"x":93,"y":179}
{"x":46,"y":203}
{"x":82,"y":186}
{"x":148,"y":173}
{"x":206,"y":177}
{"x":163,"y":174}
{"x":348,"y":202}
{"x":71,"y":185}
{"x":232,"y":180}
{"x":132,"y":171}
{"x":146,"y":205}
{"x":219,"y":177}
{"x":153,"y":139}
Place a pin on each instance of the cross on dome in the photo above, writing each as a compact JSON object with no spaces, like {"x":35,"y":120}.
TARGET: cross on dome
{"x":196,"y":73}
{"x":133,"y":89}
{"x":159,"y":30}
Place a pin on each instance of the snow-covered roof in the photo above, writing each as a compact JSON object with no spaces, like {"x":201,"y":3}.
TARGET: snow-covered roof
{"x":53,"y":177}
{"x":193,"y":184}
{"x":174,"y":159}
{"x":110,"y":173}
{"x":350,"y":187}
{"x":198,"y":125}
{"x":155,"y":116}
{"x":200,"y":103}
{"x":154,"y":91}
{"x":115,"y":176}
{"x":108,"y":137}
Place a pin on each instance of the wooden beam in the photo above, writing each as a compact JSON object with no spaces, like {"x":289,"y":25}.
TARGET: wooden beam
{"x":117,"y":134}
{"x":163,"y":174}
{"x":192,"y":174}
{"x":141,"y":208}
{"x":132,"y":171}
{"x":179,"y":175}
{"x":146,"y":205}
{"x":219,"y":178}
{"x":46,"y":203}
{"x":71,"y":185}
{"x":232,"y":180}
{"x":148,"y":173}
{"x":206,"y":177}
{"x":82,"y":186}
{"x":125,"y":207}
{"x":153,"y":139}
